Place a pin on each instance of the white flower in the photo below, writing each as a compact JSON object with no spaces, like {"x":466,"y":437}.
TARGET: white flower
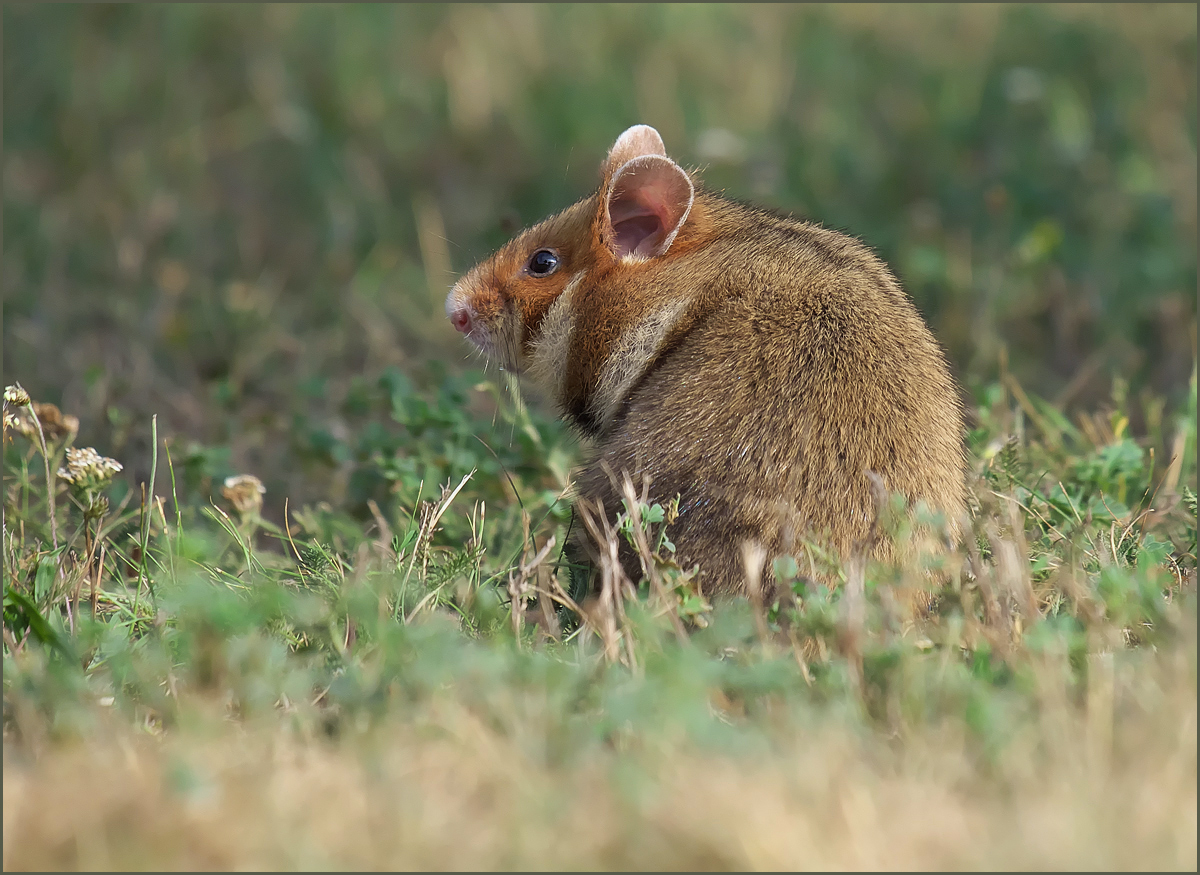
{"x":87,"y":469}
{"x":16,"y":396}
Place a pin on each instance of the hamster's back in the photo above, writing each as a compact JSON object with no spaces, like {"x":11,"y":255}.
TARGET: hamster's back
{"x":805,"y":366}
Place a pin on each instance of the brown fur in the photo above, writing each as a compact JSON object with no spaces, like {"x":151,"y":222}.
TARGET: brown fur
{"x":795,"y":364}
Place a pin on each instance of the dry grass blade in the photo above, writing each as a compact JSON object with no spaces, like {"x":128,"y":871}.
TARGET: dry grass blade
{"x":545,"y":617}
{"x":518,"y":580}
{"x":754,"y":557}
{"x":983,"y":582}
{"x":50,"y":490}
{"x":646,"y":555}
{"x":431,"y":514}
{"x":551,"y":590}
{"x":605,"y":615}
{"x":384,"y":542}
{"x":854,"y":597}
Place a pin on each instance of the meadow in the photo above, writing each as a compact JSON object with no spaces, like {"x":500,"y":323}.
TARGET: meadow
{"x":283,"y":583}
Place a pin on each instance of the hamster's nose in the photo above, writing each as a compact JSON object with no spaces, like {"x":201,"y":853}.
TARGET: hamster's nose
{"x":458,"y":310}
{"x":460,"y":318}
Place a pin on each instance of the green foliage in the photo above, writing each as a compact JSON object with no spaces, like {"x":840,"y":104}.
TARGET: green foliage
{"x":399,"y":442}
{"x":356,"y":623}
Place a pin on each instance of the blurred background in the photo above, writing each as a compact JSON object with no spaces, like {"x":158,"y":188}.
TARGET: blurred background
{"x":245,"y":218}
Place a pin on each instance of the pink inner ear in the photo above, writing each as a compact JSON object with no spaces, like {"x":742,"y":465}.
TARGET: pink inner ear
{"x":636,"y":228}
{"x":650,"y":200}
{"x":632,"y":233}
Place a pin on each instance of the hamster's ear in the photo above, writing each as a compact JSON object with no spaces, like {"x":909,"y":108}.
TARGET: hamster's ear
{"x":634,"y":143}
{"x":646,"y":196}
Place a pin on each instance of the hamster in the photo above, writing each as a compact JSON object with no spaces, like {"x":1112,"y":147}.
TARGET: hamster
{"x":754,"y":365}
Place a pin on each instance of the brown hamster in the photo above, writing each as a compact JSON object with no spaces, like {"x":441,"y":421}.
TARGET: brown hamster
{"x":756,"y":366}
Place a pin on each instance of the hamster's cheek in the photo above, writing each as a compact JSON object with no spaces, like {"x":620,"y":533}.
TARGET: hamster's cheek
{"x":497,"y":335}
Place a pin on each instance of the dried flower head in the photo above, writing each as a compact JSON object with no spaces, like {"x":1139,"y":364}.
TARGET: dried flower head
{"x":15,"y":395}
{"x":56,"y":425}
{"x":22,"y":424}
{"x":244,"y":492}
{"x":87,"y":470}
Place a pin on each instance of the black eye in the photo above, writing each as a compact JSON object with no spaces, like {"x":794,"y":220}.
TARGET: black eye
{"x":543,"y":262}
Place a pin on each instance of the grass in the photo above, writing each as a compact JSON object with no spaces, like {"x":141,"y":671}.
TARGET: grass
{"x":455,"y":790}
{"x":319,"y":618}
{"x":404,"y":694}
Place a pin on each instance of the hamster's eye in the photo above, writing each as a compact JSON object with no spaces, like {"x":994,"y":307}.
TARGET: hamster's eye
{"x":543,"y":262}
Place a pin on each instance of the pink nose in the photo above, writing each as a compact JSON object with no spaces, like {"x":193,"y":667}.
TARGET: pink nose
{"x":461,"y":320}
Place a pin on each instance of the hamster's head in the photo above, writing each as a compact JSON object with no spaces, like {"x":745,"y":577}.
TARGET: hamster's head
{"x":519,"y":300}
{"x":501,"y":303}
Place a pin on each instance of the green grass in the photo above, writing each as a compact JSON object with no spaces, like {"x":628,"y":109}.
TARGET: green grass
{"x":228,"y":232}
{"x":1063,"y":641}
